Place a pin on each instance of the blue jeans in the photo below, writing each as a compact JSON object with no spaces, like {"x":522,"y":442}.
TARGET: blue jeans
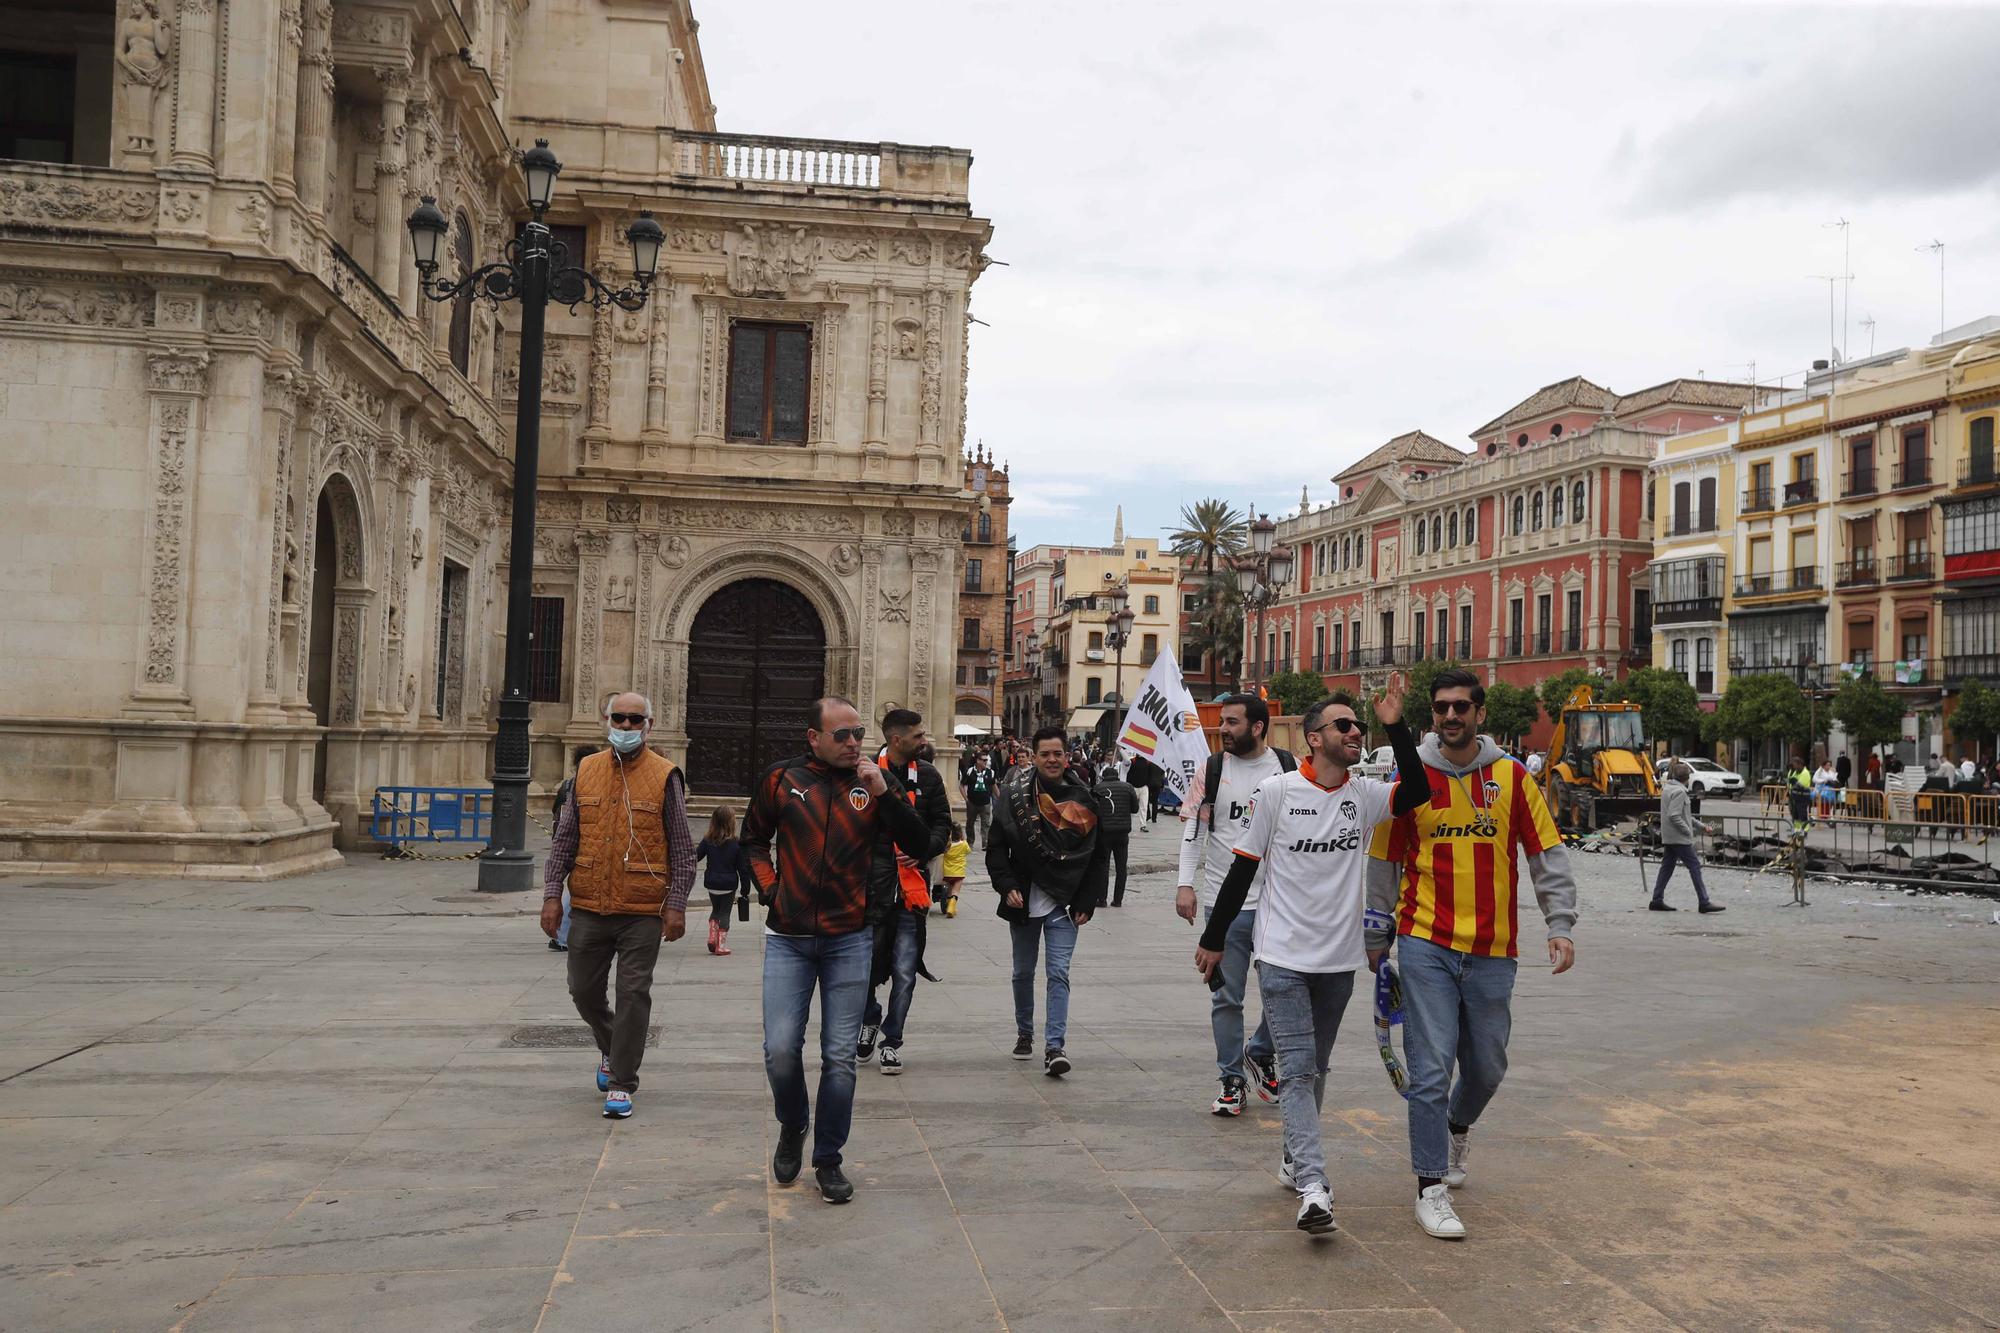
{"x":1679,"y":854}
{"x":1303,"y":1009}
{"x":1456,"y":1009}
{"x":1061,"y":933}
{"x":793,"y":966}
{"x":902,"y":981}
{"x":562,"y":931}
{"x":1225,"y":1011}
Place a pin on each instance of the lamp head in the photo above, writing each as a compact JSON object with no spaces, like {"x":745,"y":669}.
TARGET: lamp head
{"x":540,"y":166}
{"x":1261,"y":534}
{"x":427,"y":232}
{"x":646,"y":237}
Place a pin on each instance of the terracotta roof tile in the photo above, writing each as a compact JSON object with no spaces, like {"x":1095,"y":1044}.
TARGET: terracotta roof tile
{"x":1576,"y":391}
{"x":1411,"y":447}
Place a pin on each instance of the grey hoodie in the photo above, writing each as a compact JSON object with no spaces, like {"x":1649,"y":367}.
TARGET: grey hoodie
{"x":1555,"y":887}
{"x":1676,"y":815}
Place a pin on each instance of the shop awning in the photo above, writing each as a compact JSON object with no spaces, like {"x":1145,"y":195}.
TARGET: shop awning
{"x":971,"y":724}
{"x":1086,"y":718}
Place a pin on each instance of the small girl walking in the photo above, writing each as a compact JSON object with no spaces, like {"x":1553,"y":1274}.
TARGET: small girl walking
{"x":954,"y":868}
{"x":726,"y":875}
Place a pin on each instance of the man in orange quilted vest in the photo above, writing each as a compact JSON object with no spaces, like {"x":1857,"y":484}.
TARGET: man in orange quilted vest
{"x":623,"y":843}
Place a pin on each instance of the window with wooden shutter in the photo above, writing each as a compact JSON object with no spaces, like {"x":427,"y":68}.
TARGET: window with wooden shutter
{"x":770,"y":368}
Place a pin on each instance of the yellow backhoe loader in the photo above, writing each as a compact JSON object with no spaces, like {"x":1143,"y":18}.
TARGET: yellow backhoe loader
{"x":1598,"y":771}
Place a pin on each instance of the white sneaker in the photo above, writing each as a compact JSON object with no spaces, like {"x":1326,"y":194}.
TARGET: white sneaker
{"x":1285,"y":1176}
{"x":892,"y":1060}
{"x":1461,"y":1153}
{"x":1436,"y":1215}
{"x":1316,"y":1212}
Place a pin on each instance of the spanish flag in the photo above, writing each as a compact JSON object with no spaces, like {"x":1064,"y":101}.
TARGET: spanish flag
{"x":1139,"y":738}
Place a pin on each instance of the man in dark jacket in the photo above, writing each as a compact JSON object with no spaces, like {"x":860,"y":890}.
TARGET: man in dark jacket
{"x":1048,"y":863}
{"x":826,"y":811}
{"x":978,"y":782}
{"x":899,"y":890}
{"x":1120,"y":802}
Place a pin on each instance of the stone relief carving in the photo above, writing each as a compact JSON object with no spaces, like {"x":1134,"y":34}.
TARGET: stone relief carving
{"x":619,"y":591}
{"x":695,"y":239}
{"x":600,"y":368}
{"x":932,"y":406}
{"x":852,"y":249}
{"x":238,"y":314}
{"x":560,"y":508}
{"x":145,"y":41}
{"x":633,"y":326}
{"x":256,"y":211}
{"x":178,"y":371}
{"x":895,"y":607}
{"x":184,"y":205}
{"x":38,"y":199}
{"x":554,"y":548}
{"x":779,"y":261}
{"x":622,"y":509}
{"x":346,"y":663}
{"x":912,"y":250}
{"x":674,"y":551}
{"x":368,"y":27}
{"x":846,"y":559}
{"x":909,"y":340}
{"x":757,"y":520}
{"x":108,"y":308}
{"x":558,"y":377}
{"x":352,"y":390}
{"x":169,"y":532}
{"x":897,"y":524}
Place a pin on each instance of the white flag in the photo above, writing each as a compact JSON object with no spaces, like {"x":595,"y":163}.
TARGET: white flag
{"x":1164,"y":727}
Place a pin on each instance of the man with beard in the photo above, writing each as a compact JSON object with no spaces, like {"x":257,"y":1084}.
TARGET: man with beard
{"x":899,"y":897}
{"x":1048,"y":864}
{"x":1446,"y":875}
{"x":1210,"y":835}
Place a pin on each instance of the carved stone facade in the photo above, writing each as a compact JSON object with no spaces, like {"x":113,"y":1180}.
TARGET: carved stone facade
{"x":265,"y":535}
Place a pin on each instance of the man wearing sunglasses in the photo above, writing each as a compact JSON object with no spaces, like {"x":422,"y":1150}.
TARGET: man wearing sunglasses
{"x":1308,"y":841}
{"x":811,"y":836}
{"x":622,"y":842}
{"x":1448,"y":873}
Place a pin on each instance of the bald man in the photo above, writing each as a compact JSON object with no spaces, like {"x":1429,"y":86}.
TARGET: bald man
{"x":622,"y":841}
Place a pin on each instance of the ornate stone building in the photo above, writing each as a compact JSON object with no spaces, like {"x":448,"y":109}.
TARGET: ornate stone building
{"x":257,"y":485}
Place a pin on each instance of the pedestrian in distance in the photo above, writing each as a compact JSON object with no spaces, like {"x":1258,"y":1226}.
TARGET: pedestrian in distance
{"x":1120,"y":803}
{"x":1677,"y":830}
{"x":811,"y":835}
{"x":1443,"y":882}
{"x":1049,"y":865}
{"x":955,"y":857}
{"x":899,"y":891}
{"x":978,"y":784}
{"x":1308,"y":838}
{"x":622,"y":844}
{"x":726,"y":875}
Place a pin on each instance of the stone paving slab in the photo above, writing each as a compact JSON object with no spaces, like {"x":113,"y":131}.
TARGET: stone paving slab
{"x":300,"y":1105}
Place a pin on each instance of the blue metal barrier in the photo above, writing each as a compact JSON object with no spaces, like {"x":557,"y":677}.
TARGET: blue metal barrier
{"x":432,"y":814}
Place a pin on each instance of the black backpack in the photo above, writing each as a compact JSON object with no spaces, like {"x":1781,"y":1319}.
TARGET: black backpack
{"x":1213,"y":778}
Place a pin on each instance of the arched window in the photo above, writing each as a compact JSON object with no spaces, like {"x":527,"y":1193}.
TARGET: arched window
{"x":1520,"y":508}
{"x":1346,"y":554}
{"x":1521,"y":441}
{"x":1420,"y":536}
{"x":986,"y":527}
{"x":1537,"y":508}
{"x":1471,"y":525}
{"x":1555,"y":431}
{"x":1452,"y":528}
{"x":1556,"y":507}
{"x":1576,"y":494}
{"x":460,"y":340}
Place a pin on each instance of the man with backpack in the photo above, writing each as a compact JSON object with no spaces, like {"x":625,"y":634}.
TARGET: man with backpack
{"x":1120,"y":803}
{"x":1209,"y":835}
{"x":978,"y":783}
{"x":899,"y":890}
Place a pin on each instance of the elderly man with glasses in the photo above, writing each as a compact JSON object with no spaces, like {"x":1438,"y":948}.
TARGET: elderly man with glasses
{"x":622,"y":841}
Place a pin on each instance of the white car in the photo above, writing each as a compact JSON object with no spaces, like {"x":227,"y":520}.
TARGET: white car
{"x":1708,"y":778}
{"x":1376,"y":763}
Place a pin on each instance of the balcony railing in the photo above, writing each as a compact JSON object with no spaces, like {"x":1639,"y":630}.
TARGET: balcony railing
{"x":1692,"y":525}
{"x":1353,"y":659}
{"x":1860,"y":572}
{"x":1909,"y":567}
{"x":1573,"y":639}
{"x":1704,"y":682}
{"x":1465,"y":650}
{"x":1861,"y":481}
{"x":1913,"y":472}
{"x":1801,"y":492}
{"x":1759,"y":500}
{"x":1687,"y":611}
{"x":855,"y":166}
{"x":1391,"y":655}
{"x":1978,"y":472}
{"x":1542,"y":644}
{"x":1802,"y":674}
{"x":1513,"y":645}
{"x":1801,"y":580}
{"x":1985,"y":666}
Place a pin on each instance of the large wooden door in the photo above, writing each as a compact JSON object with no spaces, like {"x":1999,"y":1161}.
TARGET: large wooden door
{"x":756,"y":662}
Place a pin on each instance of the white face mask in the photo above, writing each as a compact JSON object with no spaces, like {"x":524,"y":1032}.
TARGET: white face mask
{"x":625,"y":742}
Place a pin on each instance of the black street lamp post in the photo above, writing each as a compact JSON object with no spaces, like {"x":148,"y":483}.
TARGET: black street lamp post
{"x":1261,"y":576}
{"x":536,"y":268}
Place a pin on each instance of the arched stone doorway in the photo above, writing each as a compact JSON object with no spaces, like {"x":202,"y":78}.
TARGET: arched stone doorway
{"x":338,"y":590}
{"x":756,"y":662}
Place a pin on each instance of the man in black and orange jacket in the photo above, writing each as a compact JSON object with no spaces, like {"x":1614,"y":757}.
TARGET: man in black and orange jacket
{"x":899,"y":898}
{"x":811,"y":835}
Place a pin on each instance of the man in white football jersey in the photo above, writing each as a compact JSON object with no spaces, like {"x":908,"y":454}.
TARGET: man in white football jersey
{"x":1308,"y":840}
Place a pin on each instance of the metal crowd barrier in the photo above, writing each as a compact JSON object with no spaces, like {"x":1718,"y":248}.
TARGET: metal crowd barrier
{"x":1963,"y":809}
{"x":403,"y":815}
{"x":1918,"y":851}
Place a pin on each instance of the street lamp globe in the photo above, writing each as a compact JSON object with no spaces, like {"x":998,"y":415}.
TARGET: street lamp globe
{"x":1124,"y":620}
{"x":1246,"y":576}
{"x":1281,"y":566}
{"x":1261,"y":534}
{"x":646,"y":237}
{"x":540,"y":166}
{"x":428,"y":228}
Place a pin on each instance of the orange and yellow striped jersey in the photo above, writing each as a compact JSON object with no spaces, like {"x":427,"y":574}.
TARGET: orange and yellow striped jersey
{"x":1460,"y":856}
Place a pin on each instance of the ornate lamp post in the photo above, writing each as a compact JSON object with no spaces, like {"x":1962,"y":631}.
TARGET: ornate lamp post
{"x":1118,"y":634}
{"x":536,"y":268}
{"x":1035,"y":676}
{"x":1261,"y":577}
{"x":992,"y":691}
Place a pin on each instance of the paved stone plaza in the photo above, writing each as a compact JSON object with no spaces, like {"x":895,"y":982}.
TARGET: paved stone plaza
{"x":300,"y":1106}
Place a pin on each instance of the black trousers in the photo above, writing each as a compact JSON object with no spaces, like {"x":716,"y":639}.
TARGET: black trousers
{"x":1121,"y":847}
{"x":595,"y":942}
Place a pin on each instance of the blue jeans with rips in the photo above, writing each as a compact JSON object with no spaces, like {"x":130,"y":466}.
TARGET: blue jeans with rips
{"x":1061,"y":934}
{"x":902,"y":980}
{"x":1225,"y":1010}
{"x":794,"y":965}
{"x":1457,"y":1010}
{"x":1304,"y":1010}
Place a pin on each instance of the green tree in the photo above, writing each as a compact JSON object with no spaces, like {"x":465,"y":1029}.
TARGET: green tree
{"x":1511,"y":710}
{"x":1417,"y":694}
{"x":1667,"y":703}
{"x":1763,"y":708}
{"x":1292,"y":692}
{"x":1555,"y":690}
{"x":1212,"y":534}
{"x":1976,"y":717}
{"x":1869,"y":713}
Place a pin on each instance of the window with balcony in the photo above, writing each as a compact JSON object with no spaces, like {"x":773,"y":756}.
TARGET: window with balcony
{"x":1683,"y":508}
{"x":1319,"y":648}
{"x":1354,"y":644}
{"x":1972,"y":638}
{"x":1704,"y":666}
{"x":1420,"y":536}
{"x":974,"y":572}
{"x":1388,"y":639}
{"x":1452,"y":528}
{"x":1705,"y":505}
{"x":1437,"y":532}
{"x":1972,"y":527}
{"x":1979,"y":467}
{"x":1685,"y":590}
{"x":986,"y":527}
{"x":1803,"y":488}
{"x":1443,"y":633}
{"x":1914,"y":465}
{"x":1465,"y":631}
{"x":1860,"y":466}
{"x":1573,"y":621}
{"x":1418,"y":635}
{"x":1535,"y":510}
{"x":969,"y":633}
{"x":1759,"y":498}
{"x":1556,"y":507}
{"x":1577,"y":494}
{"x":1544,"y":604}
{"x":1520,"y":512}
{"x":770,"y":366}
{"x":1336,"y":635}
{"x":1790,"y":642}
{"x":1471,"y":525}
{"x":1514,"y":627}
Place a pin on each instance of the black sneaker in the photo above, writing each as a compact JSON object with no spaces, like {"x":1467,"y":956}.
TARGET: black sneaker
{"x":1265,"y":1074}
{"x":1055,"y":1064}
{"x":1660,"y":907}
{"x":785,"y":1162}
{"x":1706,"y":908}
{"x":1024,"y":1048}
{"x":558,"y":948}
{"x":864,"y":1050}
{"x":833,"y":1186}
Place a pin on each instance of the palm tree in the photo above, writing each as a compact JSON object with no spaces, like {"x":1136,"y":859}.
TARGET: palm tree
{"x":1212,"y":532}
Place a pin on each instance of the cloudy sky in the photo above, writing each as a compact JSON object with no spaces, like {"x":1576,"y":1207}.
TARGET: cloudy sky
{"x":1248,"y":243}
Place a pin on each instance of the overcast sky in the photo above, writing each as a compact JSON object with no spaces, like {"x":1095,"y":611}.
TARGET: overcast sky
{"x":1248,"y":243}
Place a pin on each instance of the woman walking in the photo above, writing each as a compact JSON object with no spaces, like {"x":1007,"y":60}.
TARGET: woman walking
{"x":725,"y":877}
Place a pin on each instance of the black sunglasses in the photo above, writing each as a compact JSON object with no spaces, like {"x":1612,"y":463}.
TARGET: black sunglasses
{"x":1459,"y":707}
{"x":846,"y":734}
{"x":1343,"y":725}
{"x":628,"y":719}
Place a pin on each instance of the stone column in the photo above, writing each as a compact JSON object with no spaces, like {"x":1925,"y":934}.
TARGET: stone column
{"x":826,"y":374}
{"x":291,"y":37}
{"x":194,"y":102}
{"x":282,"y":384}
{"x":931,"y":405}
{"x":590,"y":547}
{"x":179,"y":381}
{"x":389,"y":164}
{"x":642,"y":621}
{"x":871,"y":585}
{"x":656,"y":361}
{"x":877,"y":436}
{"x":315,"y":119}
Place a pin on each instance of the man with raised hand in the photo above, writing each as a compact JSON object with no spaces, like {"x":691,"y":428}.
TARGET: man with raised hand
{"x":1308,"y":835}
{"x":1446,"y":873}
